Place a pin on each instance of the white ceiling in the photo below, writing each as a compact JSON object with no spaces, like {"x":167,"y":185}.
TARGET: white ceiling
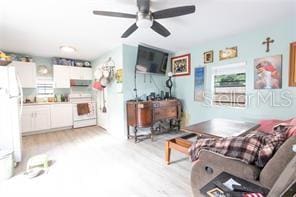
{"x":40,"y":27}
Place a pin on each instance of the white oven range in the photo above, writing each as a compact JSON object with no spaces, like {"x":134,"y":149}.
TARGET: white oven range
{"x":85,"y":120}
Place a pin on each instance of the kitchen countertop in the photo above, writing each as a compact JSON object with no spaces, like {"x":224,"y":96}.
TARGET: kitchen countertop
{"x":45,"y":103}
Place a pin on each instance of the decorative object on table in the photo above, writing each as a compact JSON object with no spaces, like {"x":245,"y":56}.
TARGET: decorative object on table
{"x":268,"y":72}
{"x":169,"y":84}
{"x":199,"y":81}
{"x":228,"y":53}
{"x":292,"y":70}
{"x":208,"y":57}
{"x":181,"y":65}
{"x":267,"y":42}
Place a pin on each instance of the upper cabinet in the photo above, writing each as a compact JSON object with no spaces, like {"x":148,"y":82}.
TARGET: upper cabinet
{"x":61,"y":76}
{"x":81,"y":73}
{"x":26,"y":72}
{"x":292,"y":80}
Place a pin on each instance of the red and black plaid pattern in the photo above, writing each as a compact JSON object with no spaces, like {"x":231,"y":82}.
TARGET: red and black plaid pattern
{"x":251,"y":149}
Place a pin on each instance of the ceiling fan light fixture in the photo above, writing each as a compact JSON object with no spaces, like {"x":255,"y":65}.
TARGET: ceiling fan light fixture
{"x":144,"y":20}
{"x":67,"y":49}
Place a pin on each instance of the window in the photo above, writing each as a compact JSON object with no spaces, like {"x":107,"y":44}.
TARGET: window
{"x":45,"y":89}
{"x":229,"y":85}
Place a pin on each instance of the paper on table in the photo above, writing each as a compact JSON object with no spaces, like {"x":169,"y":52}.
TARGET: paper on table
{"x":231,"y":182}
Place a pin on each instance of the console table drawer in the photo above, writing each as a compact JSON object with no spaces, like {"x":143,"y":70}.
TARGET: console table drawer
{"x":165,"y":112}
{"x":157,"y":104}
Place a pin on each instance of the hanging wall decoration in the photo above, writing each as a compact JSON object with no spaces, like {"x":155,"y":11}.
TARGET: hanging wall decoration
{"x":199,"y":81}
{"x":208,"y":57}
{"x":228,"y":53}
{"x":181,"y":65}
{"x":267,"y":42}
{"x":268,"y":72}
{"x":119,"y":79}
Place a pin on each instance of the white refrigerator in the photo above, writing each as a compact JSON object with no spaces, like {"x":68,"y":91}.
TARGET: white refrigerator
{"x":10,"y":111}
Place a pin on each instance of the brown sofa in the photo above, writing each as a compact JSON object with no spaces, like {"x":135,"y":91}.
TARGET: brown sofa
{"x":277,"y":174}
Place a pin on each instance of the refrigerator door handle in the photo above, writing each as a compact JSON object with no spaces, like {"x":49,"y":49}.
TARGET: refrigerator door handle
{"x":20,"y":95}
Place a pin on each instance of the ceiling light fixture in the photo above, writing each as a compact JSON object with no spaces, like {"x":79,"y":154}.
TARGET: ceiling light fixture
{"x":67,"y":49}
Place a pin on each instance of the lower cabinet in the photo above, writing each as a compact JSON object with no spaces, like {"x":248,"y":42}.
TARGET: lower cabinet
{"x":61,"y":115}
{"x":45,"y":117}
{"x":35,"y":118}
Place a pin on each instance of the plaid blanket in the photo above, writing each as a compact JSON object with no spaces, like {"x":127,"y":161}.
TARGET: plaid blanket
{"x":251,"y":149}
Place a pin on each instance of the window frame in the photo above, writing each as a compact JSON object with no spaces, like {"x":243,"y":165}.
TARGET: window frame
{"x":45,"y":83}
{"x":213,"y":74}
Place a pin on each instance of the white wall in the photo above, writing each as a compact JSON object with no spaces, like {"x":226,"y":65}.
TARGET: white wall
{"x":113,"y":120}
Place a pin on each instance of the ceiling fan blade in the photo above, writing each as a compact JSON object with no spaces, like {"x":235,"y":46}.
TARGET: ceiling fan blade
{"x":143,"y":5}
{"x":157,"y":27}
{"x":173,"y":12}
{"x":114,"y":14}
{"x":129,"y":31}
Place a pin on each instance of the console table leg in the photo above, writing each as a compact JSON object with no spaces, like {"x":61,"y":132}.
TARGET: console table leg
{"x":167,"y":152}
{"x":135,"y":132}
{"x":128,"y":132}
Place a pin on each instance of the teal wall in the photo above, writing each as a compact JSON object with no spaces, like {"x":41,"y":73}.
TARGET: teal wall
{"x":145,"y":83}
{"x":249,"y":48}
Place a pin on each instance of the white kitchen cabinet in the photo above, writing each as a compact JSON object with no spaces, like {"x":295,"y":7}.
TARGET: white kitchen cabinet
{"x":61,"y":115}
{"x":26,"y":72}
{"x":81,"y":73}
{"x":27,"y":120}
{"x":42,"y":118}
{"x":36,"y":118}
{"x":61,"y":76}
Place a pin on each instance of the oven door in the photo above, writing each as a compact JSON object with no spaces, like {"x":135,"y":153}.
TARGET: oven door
{"x":91,"y":115}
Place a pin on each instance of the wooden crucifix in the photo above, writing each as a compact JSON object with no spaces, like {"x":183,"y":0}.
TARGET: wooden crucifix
{"x":268,"y":42}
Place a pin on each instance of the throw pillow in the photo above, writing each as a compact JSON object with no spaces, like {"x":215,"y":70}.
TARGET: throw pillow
{"x":266,"y":126}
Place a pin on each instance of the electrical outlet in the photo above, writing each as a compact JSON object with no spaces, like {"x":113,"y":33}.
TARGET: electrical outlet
{"x":294,"y":148}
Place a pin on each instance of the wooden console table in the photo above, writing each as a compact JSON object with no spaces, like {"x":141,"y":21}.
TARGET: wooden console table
{"x":144,"y":114}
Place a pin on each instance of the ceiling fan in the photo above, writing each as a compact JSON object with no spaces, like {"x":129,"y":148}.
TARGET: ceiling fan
{"x":146,"y":19}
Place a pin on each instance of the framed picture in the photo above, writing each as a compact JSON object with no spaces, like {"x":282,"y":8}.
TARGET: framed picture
{"x":208,"y":57}
{"x":292,"y":70}
{"x":199,"y":81}
{"x":119,"y":75}
{"x":216,"y":192}
{"x":228,"y":53}
{"x":181,"y":65}
{"x":268,"y":72}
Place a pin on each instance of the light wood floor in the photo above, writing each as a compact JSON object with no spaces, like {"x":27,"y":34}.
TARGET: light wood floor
{"x":90,"y":162}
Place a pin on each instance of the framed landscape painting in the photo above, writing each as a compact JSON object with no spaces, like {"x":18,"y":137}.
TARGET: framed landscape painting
{"x":268,"y":72}
{"x":181,"y":65}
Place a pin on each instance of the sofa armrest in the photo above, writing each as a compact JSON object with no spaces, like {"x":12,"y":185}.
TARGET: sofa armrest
{"x":210,"y":165}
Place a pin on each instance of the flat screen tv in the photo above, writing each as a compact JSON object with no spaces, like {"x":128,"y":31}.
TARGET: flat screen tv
{"x":151,"y":61}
